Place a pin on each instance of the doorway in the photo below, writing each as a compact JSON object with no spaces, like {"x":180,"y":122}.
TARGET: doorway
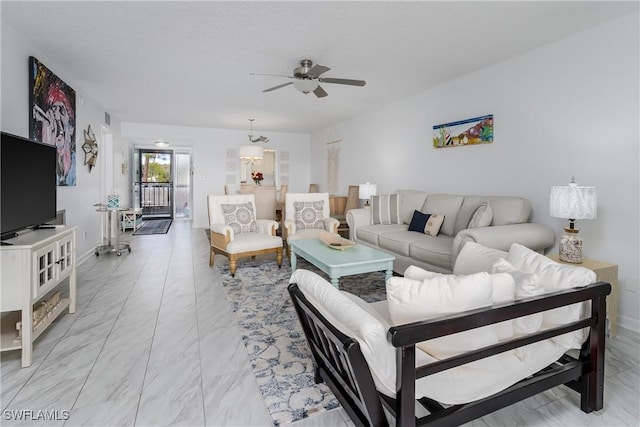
{"x":155,"y":183}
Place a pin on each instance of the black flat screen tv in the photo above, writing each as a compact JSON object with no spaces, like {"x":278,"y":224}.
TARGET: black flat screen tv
{"x":27,"y":184}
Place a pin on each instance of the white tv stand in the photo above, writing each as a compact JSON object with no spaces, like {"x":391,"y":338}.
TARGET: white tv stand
{"x":33,"y":264}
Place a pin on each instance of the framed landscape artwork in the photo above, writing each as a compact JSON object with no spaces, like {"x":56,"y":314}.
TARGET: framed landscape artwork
{"x":52,"y":118}
{"x":478,"y":130}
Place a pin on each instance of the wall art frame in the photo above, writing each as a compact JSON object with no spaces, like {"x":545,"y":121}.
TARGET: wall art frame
{"x":474,"y":131}
{"x":52,"y":118}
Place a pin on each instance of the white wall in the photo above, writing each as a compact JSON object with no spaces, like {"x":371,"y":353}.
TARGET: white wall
{"x":77,"y":200}
{"x":567,"y":109}
{"x":209,"y":149}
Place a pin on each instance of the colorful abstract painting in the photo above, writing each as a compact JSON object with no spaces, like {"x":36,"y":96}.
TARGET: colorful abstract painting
{"x":478,"y":130}
{"x":53,"y":118}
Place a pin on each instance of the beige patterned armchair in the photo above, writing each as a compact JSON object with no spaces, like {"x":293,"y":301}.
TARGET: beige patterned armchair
{"x":307,"y":215}
{"x":236,"y":233}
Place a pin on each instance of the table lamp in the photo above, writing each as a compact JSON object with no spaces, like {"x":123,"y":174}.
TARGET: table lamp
{"x":572,"y":202}
{"x":365,"y":191}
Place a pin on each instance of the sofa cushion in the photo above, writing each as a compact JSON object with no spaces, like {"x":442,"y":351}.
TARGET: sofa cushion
{"x":410,"y":200}
{"x":412,"y":300}
{"x":385,"y":209}
{"x":474,"y":258}
{"x":371,"y":233}
{"x":446,"y":204}
{"x":309,"y":214}
{"x":509,"y":210}
{"x":481,"y":217}
{"x":554,"y":277}
{"x":240,"y":217}
{"x":432,"y":250}
{"x":399,"y":241}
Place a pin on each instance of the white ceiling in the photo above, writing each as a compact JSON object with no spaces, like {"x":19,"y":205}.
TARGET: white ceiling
{"x":189,"y":63}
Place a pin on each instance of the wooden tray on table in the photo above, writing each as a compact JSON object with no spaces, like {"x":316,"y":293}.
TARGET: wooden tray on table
{"x":335,"y":241}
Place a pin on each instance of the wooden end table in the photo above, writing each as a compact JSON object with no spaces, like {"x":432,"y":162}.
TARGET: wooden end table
{"x":605,"y":272}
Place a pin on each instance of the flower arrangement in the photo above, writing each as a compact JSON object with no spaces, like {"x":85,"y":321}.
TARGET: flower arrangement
{"x":257,"y":177}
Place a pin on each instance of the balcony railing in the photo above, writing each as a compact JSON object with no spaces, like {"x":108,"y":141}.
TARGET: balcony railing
{"x":156,"y":199}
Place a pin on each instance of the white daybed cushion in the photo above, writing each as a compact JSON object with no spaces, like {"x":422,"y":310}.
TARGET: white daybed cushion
{"x":413,"y":300}
{"x":526,"y":285}
{"x":474,"y":258}
{"x":462,"y":384}
{"x":503,"y":291}
{"x":355,"y":320}
{"x":555,"y":277}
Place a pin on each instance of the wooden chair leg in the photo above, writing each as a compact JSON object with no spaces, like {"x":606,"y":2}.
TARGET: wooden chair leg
{"x":233,"y":264}
{"x":279,"y":257}
{"x":212,"y":256}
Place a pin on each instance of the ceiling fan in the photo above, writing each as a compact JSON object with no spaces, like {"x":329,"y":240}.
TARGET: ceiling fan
{"x":307,"y":79}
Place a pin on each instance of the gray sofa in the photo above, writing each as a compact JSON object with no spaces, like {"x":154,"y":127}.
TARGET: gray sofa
{"x":509,"y":224}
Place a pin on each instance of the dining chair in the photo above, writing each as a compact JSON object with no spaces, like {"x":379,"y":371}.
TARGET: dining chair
{"x":265,"y":203}
{"x":352,"y":203}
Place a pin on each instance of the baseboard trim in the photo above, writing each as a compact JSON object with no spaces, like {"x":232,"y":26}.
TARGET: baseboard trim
{"x":629,"y":323}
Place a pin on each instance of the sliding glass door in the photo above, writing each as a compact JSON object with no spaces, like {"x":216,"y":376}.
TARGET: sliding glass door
{"x":162,"y":183}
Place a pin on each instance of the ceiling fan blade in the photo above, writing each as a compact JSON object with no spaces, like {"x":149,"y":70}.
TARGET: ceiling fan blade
{"x":319,"y":92}
{"x":271,"y":75}
{"x":343,"y":81}
{"x":318,"y":69}
{"x":278,"y":87}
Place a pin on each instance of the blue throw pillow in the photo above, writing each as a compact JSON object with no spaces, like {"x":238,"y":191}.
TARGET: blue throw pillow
{"x":419,"y":221}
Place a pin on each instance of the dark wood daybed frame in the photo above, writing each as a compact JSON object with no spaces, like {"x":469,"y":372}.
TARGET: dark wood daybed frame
{"x":339,"y":362}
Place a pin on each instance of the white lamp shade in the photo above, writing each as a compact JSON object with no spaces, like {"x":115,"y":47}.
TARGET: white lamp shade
{"x":305,"y":85}
{"x":573,"y":202}
{"x":251,"y":152}
{"x":365,"y":191}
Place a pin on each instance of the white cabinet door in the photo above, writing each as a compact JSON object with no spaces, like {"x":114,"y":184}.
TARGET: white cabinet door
{"x":65,"y":257}
{"x":45,"y":269}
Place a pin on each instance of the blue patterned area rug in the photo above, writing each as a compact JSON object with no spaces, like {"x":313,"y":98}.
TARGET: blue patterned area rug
{"x":276,"y":345}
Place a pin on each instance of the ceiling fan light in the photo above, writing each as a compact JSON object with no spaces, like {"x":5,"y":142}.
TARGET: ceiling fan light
{"x":306,"y":85}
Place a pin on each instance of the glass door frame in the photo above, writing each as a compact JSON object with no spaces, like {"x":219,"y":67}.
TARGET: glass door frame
{"x":136,"y":172}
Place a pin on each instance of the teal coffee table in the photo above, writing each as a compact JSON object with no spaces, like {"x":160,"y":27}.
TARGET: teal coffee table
{"x":358,"y":259}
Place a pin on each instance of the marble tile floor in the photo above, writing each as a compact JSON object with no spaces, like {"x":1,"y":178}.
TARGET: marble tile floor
{"x":154,"y":343}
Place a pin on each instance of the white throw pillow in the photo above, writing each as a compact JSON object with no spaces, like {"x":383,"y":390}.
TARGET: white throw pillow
{"x":416,"y":273}
{"x":554,"y":277}
{"x":474,"y":258}
{"x":481,"y":217}
{"x":412,"y":300}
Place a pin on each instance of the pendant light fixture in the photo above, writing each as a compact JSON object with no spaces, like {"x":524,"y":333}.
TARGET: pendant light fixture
{"x":252,"y":153}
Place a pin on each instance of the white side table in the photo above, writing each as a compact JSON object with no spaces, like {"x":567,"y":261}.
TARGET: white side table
{"x":605,"y":272}
{"x":131,"y":218}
